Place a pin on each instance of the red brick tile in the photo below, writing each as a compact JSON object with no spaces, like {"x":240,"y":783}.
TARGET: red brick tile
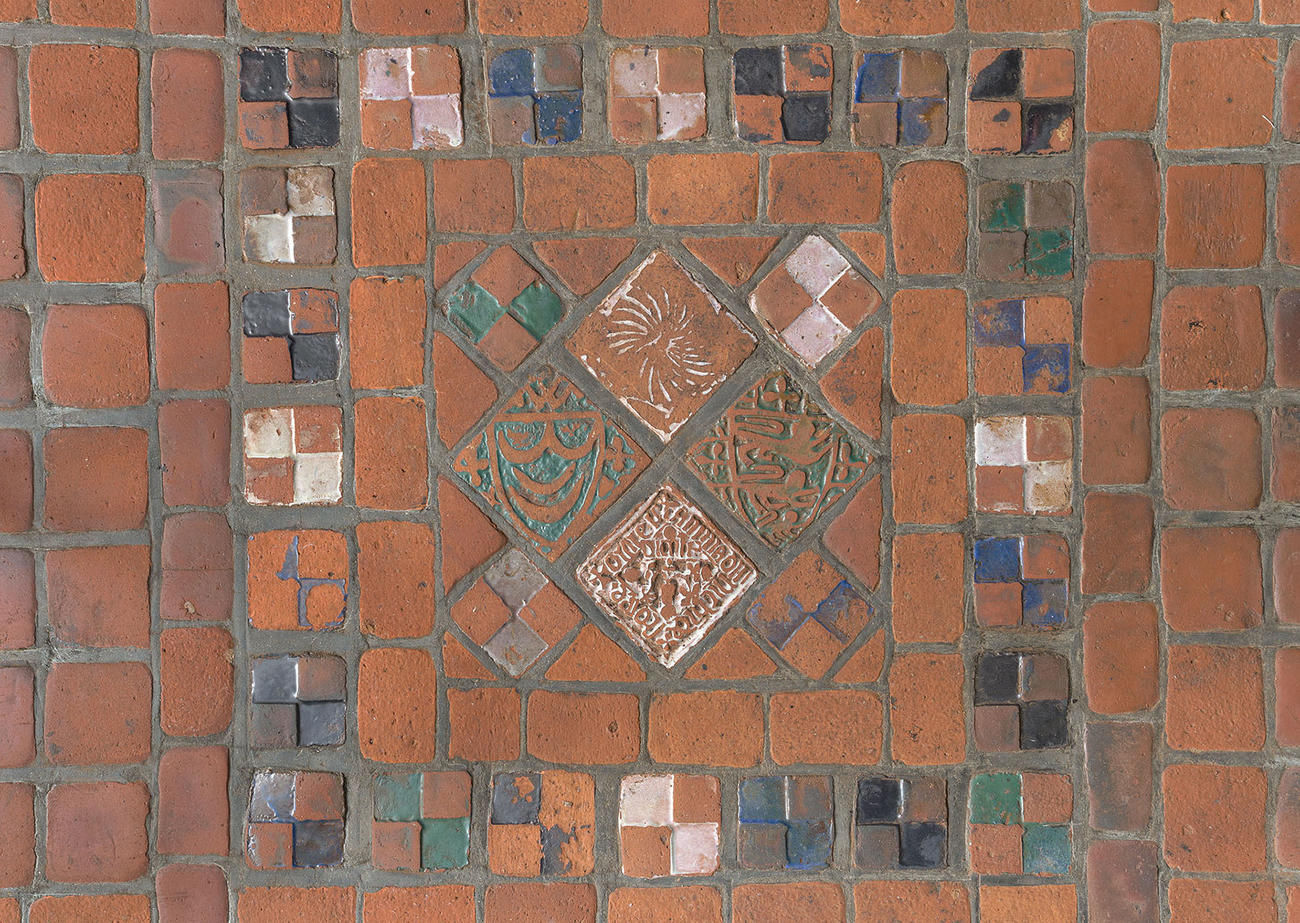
{"x":1212,"y":338}
{"x":830,"y":726}
{"x":532,"y":17}
{"x":928,"y":362}
{"x":1288,"y":215}
{"x":16,"y":490}
{"x":17,"y":716}
{"x":1214,"y":216}
{"x":1205,"y":900}
{"x":1284,"y":482}
{"x":192,"y":335}
{"x":197,"y":567}
{"x":10,"y":127}
{"x":286,"y":16}
{"x":1118,"y":530}
{"x":194,"y":442}
{"x":927,"y":720}
{"x":1214,"y":818}
{"x":1287,"y":681}
{"x":388,"y":212}
{"x":13,"y":250}
{"x":188,"y":114}
{"x":395,"y":573}
{"x":811,"y":187}
{"x":1211,"y":458}
{"x":1123,"y":74}
{"x":900,"y":901}
{"x":929,"y":468}
{"x":95,"y":355}
{"x":1123,"y":880}
{"x":1116,"y":423}
{"x":409,"y":17}
{"x":630,"y":19}
{"x":1117,"y":300}
{"x":97,"y":713}
{"x":540,"y":902}
{"x":582,"y":263}
{"x":695,"y":903}
{"x":450,"y":903}
{"x":484,"y":723}
{"x":1219,"y":11}
{"x":386,"y":332}
{"x":72,"y":114}
{"x":1215,"y":699}
{"x":187,"y":17}
{"x":286,"y":904}
{"x":1122,"y":191}
{"x":702,"y":188}
{"x":17,"y":599}
{"x":1120,"y":775}
{"x":1016,"y":903}
{"x":1204,"y":112}
{"x":15,"y":343}
{"x":392,"y":463}
{"x":95,"y":832}
{"x":771,"y":17}
{"x":18,"y":845}
{"x":90,"y":228}
{"x":854,"y":536}
{"x":1121,"y":657}
{"x":465,"y":393}
{"x":473,"y":196}
{"x":396,"y":705}
{"x":706,"y":728}
{"x":120,"y":908}
{"x":853,"y":384}
{"x":805,"y":900}
{"x":734,"y":656}
{"x":928,"y":588}
{"x":197,"y":676}
{"x":585,"y":728}
{"x":477,"y":538}
{"x":1286,"y":576}
{"x":928,"y":215}
{"x":108,"y":14}
{"x":897,"y":17}
{"x":193,"y":807}
{"x":99,"y":597}
{"x":593,"y":657}
{"x":96,"y":478}
{"x":1211,"y":578}
{"x":192,"y":894}
{"x":578,"y":193}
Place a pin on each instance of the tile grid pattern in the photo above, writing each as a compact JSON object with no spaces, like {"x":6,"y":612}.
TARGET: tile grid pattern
{"x":1182,"y":736}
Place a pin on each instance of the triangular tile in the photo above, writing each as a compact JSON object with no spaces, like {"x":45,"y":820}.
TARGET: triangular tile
{"x":595,"y":658}
{"x":733,"y":259}
{"x":475,"y":538}
{"x":866,"y":663}
{"x":459,"y":663}
{"x":735,"y":656}
{"x":585,"y":262}
{"x":464,"y":392}
{"x":450,"y":258}
{"x":869,"y":247}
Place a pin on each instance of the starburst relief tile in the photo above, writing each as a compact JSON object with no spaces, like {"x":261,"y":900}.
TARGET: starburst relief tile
{"x":666,"y":575}
{"x":661,"y":343}
{"x":777,"y":460}
{"x":550,"y":462}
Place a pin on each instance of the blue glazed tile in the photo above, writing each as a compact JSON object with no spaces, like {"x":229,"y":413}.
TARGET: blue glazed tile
{"x":809,"y":798}
{"x":511,"y":73}
{"x":915,"y":125}
{"x":1044,"y":603}
{"x":762,"y":799}
{"x":1000,"y":323}
{"x":320,"y":724}
{"x":878,"y":77}
{"x":923,"y":846}
{"x":808,"y":844}
{"x":1049,"y":365}
{"x":513,"y":803}
{"x":997,"y":560}
{"x":559,"y":117}
{"x":1046,"y":849}
{"x":317,"y":843}
{"x":879,"y":800}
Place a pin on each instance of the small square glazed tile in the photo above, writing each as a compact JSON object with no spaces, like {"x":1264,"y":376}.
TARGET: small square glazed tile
{"x":411,"y":98}
{"x":293,"y":456}
{"x":288,"y":98}
{"x":542,"y":824}
{"x":1020,"y":823}
{"x":290,"y":335}
{"x":1021,"y":701}
{"x":513,"y":613}
{"x":505,"y":307}
{"x":295,"y":820}
{"x":535,"y":94}
{"x":669,"y":825}
{"x":1024,"y":346}
{"x":900,"y":823}
{"x":421,"y":821}
{"x":813,"y":300}
{"x":786,"y":822}
{"x":657,"y":94}
{"x":1023,"y":464}
{"x":288,"y":215}
{"x":297,"y":701}
{"x":1020,"y":101}
{"x":900,"y":99}
{"x":783,"y":93}
{"x":1022,"y":581}
{"x":666,"y":538}
{"x":1026,"y":231}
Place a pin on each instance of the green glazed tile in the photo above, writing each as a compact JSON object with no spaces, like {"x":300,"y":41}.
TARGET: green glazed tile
{"x":397,"y":796}
{"x":1006,"y":212}
{"x":995,"y":798}
{"x":473,"y":309}
{"x":1046,"y":849}
{"x":1049,"y":252}
{"x":444,"y":843}
{"x":538,"y":308}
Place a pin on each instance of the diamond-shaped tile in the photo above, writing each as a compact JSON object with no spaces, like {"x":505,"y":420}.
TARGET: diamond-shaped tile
{"x":550,"y":462}
{"x":505,"y":307}
{"x":666,"y":574}
{"x":813,"y":300}
{"x":661,"y":343}
{"x":777,"y":460}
